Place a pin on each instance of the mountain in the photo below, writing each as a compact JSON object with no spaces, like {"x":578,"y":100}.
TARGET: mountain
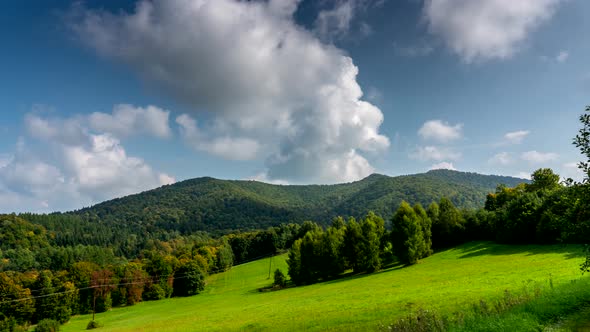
{"x":220,"y":206}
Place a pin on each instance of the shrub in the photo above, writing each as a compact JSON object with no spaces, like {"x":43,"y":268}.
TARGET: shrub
{"x":93,"y":325}
{"x":47,"y":325}
{"x":280,"y":279}
{"x":154,"y":292}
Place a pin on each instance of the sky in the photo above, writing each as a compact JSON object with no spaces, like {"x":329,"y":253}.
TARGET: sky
{"x":102,"y":99}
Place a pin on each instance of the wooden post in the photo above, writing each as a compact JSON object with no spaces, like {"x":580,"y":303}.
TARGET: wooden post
{"x":93,"y":303}
{"x":269,"y":265}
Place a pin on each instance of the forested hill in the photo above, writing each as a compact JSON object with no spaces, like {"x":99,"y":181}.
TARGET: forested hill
{"x":219,"y":206}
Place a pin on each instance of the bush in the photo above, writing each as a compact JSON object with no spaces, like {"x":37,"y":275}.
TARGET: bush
{"x":154,"y":292}
{"x":47,"y":325}
{"x":191,"y":280}
{"x":280,"y":279}
{"x":92,"y":325}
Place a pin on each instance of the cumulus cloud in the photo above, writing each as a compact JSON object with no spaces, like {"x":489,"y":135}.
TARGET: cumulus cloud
{"x":502,"y":158}
{"x":270,"y":87}
{"x":440,"y":131}
{"x":69,"y":166}
{"x":426,"y":153}
{"x":443,"y":165}
{"x":536,"y":157}
{"x":226,"y":147}
{"x":516,"y":137}
{"x":486,"y":29}
{"x":68,"y":132}
{"x":127,"y":120}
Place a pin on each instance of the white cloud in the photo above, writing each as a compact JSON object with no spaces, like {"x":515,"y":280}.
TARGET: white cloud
{"x":69,"y":132}
{"x":440,"y":131}
{"x":571,"y":170}
{"x":233,"y":148}
{"x":516,"y":137}
{"x":522,"y":175}
{"x":486,"y":29}
{"x":443,"y":165}
{"x":426,"y":153}
{"x":104,"y":170}
{"x":562,"y":56}
{"x":127,"y":120}
{"x":60,"y":173}
{"x":536,"y":157}
{"x":502,"y":158}
{"x":335,"y":23}
{"x":268,"y":84}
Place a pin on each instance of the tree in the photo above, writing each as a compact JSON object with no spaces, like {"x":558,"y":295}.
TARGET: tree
{"x":522,"y":217}
{"x":81,"y":275}
{"x":133,"y":278}
{"x":294,"y":263}
{"x":406,"y":235}
{"x":331,"y":262}
{"x":224,"y":258}
{"x":310,"y":265}
{"x":102,"y":283}
{"x":22,"y":308}
{"x":371,"y":230}
{"x":582,"y":142}
{"x":352,"y":245}
{"x":426,"y":224}
{"x":543,"y":179}
{"x":433,"y":211}
{"x":279,"y":279}
{"x":189,"y":279}
{"x":448,"y":228}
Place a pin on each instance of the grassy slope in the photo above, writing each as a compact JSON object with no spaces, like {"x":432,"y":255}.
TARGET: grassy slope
{"x":446,"y":281}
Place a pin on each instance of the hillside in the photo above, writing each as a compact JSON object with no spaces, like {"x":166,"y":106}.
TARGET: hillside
{"x":449,"y":281}
{"x":208,"y":204}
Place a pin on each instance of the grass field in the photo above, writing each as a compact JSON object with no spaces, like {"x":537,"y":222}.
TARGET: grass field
{"x":447,"y":281}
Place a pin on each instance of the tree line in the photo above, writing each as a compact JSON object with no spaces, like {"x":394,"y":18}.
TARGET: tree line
{"x":70,"y":281}
{"x":542,"y":212}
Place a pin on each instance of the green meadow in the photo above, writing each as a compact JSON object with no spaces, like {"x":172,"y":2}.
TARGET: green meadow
{"x":448,"y":282}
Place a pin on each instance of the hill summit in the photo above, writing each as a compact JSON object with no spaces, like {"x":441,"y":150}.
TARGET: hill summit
{"x":219,"y":206}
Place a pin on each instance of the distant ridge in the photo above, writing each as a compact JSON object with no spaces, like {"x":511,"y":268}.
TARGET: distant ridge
{"x":219,"y":206}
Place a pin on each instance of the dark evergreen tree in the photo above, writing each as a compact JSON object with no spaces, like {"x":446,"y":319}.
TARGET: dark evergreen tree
{"x":448,"y":228}
{"x":353,"y":238}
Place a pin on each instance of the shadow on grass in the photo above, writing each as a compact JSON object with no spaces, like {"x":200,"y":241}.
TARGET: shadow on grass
{"x":474,"y":249}
{"x":352,"y":275}
{"x":340,"y":278}
{"x":468,"y":250}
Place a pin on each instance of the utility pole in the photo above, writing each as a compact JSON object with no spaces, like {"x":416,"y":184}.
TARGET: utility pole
{"x":269,"y":265}
{"x":93,"y":303}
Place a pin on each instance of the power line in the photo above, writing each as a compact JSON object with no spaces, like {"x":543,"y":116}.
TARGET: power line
{"x":137,"y":281}
{"x":142,"y":281}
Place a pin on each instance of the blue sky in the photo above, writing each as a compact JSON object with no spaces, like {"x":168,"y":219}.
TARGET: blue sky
{"x":107,"y":98}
